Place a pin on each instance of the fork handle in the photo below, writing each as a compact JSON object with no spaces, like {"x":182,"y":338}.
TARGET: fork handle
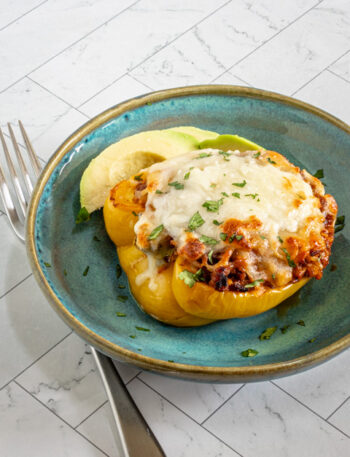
{"x":134,"y":437}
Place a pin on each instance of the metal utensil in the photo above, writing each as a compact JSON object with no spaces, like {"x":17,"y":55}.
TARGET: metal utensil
{"x":134,"y":438}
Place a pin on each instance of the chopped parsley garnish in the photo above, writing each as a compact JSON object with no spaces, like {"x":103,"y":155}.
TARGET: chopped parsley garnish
{"x":156,"y":232}
{"x":86,"y":271}
{"x":339,"y":223}
{"x":47,"y":264}
{"x":202,"y":155}
{"x":279,"y":239}
{"x":291,"y":262}
{"x":252,"y":195}
{"x":159,"y":192}
{"x":122,"y":298}
{"x":118,"y":271}
{"x":254,"y":283}
{"x":225,"y":155}
{"x":225,"y":194}
{"x":195,"y":221}
{"x":249,"y":353}
{"x":266,"y":334}
{"x":149,"y":103}
{"x":236,"y":194}
{"x":263,"y":237}
{"x":257,"y":155}
{"x":284,"y":328}
{"x":138,"y":177}
{"x":142,"y":329}
{"x":312,"y":340}
{"x":273,"y":276}
{"x":232,"y":237}
{"x":96,"y":238}
{"x":319,"y":174}
{"x":207,"y":240}
{"x":177,"y":185}
{"x":240,"y":184}
{"x":223,"y":236}
{"x":121,"y":286}
{"x":190,"y":278}
{"x":134,"y":213}
{"x":82,"y":216}
{"x":301,"y":322}
{"x":216,"y":222}
{"x":187,"y":175}
{"x":210,"y":256}
{"x":121,"y":314}
{"x":271,"y":161}
{"x":132,"y":336}
{"x":213,"y":205}
{"x":239,"y":237}
{"x":65,"y":272}
{"x":213,"y":185}
{"x":171,"y":361}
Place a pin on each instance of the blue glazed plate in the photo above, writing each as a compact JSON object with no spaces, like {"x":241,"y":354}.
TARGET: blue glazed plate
{"x":61,"y":252}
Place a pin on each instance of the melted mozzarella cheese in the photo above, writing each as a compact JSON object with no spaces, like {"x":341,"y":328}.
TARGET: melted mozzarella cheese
{"x":245,"y":184}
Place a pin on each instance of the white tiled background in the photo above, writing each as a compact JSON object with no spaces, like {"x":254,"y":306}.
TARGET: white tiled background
{"x":63,"y":61}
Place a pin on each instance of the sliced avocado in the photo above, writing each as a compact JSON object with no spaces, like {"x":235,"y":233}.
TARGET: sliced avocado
{"x":125,"y":158}
{"x":229,"y":143}
{"x":199,"y":134}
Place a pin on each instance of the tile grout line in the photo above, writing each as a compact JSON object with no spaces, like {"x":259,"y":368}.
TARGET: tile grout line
{"x":140,"y":82}
{"x":16,"y":285}
{"x":311,"y":410}
{"x":70,"y":45}
{"x":267,"y":41}
{"x":93,"y":412}
{"x":60,"y":418}
{"x":341,"y":404}
{"x":336,"y":74}
{"x":24,"y":14}
{"x":187,"y":415}
{"x":152,"y":55}
{"x":35,"y":361}
{"x":219,"y":407}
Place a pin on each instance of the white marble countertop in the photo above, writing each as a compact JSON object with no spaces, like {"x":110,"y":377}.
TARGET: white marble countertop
{"x":62,"y":62}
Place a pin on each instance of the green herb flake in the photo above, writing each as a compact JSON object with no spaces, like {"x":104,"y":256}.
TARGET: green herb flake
{"x":257,"y":155}
{"x":195,"y":221}
{"x":47,"y":264}
{"x":301,"y":322}
{"x":312,"y":340}
{"x":121,"y":286}
{"x":225,"y":194}
{"x":236,"y":194}
{"x":284,"y":328}
{"x":271,"y":161}
{"x":187,"y":175}
{"x":280,"y":239}
{"x":134,"y":213}
{"x":171,"y":361}
{"x":263,"y":237}
{"x":190,"y":278}
{"x":239,"y":237}
{"x":252,"y":195}
{"x":249,"y":353}
{"x":149,"y":103}
{"x":207,"y":240}
{"x":216,"y":222}
{"x":159,"y":192}
{"x":213,"y":205}
{"x":142,"y":329}
{"x":266,"y":334}
{"x":291,"y":262}
{"x":224,"y":153}
{"x":86,"y":271}
{"x":202,"y":155}
{"x":177,"y":185}
{"x":156,"y":232}
{"x":273,"y":276}
{"x":319,"y":174}
{"x":210,"y":257}
{"x":138,"y":177}
{"x":118,"y":271}
{"x":65,"y":272}
{"x":254,"y":283}
{"x":82,"y":216}
{"x":132,"y":336}
{"x":223,"y":236}
{"x":339,"y":223}
{"x":121,"y":314}
{"x":240,"y":184}
{"x":122,"y":298}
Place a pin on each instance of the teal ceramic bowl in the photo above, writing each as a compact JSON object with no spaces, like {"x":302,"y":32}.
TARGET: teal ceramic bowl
{"x":61,"y":252}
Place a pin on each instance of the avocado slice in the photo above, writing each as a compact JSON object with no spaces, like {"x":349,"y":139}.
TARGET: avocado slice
{"x":125,"y":158}
{"x":229,"y":143}
{"x":199,"y":134}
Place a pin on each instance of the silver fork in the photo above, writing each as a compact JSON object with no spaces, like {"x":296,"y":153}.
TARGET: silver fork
{"x":133,"y":437}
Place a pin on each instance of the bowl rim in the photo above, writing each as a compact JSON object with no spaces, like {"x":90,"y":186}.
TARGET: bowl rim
{"x":209,"y":373}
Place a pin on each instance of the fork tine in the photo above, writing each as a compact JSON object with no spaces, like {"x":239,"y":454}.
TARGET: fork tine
{"x":13,"y":173}
{"x":9,"y":206}
{"x":22,"y":165}
{"x":33,"y":158}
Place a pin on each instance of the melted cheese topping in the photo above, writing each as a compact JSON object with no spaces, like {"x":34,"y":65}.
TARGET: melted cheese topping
{"x":244,"y":184}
